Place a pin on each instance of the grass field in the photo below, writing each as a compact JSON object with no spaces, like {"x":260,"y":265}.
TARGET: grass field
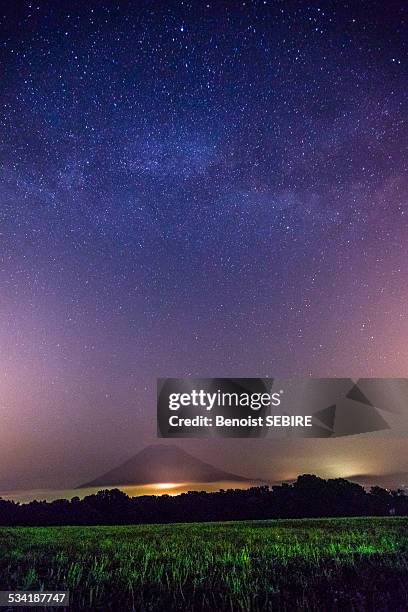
{"x":328,"y":564}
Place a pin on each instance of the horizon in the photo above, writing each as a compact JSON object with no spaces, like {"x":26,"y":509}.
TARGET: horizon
{"x":157,"y":487}
{"x":172,"y":489}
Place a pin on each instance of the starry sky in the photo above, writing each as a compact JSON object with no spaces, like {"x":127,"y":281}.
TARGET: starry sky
{"x":195,"y":188}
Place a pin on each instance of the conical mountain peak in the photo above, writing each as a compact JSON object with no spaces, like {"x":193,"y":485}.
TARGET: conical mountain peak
{"x":162,"y":463}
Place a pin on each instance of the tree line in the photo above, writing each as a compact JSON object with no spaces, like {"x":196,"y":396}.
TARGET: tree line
{"x":309,"y":496}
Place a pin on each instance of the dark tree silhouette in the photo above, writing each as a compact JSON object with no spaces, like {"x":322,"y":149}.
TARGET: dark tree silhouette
{"x":309,"y":496}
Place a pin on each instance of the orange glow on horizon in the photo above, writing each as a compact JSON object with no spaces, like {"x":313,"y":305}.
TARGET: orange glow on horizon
{"x":167,"y":485}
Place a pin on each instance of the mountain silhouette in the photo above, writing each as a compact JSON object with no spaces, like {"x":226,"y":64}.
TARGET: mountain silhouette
{"x":161,"y":463}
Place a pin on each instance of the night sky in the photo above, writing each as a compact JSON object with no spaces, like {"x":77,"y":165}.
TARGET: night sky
{"x":193,"y":188}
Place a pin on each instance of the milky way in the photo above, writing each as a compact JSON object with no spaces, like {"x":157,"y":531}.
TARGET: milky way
{"x":192,"y":188}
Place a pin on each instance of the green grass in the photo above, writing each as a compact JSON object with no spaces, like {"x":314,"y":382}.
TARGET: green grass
{"x":328,"y":564}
